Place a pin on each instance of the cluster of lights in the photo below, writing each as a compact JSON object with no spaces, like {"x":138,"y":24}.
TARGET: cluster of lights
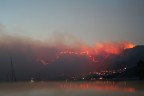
{"x":99,"y":74}
{"x":108,"y":72}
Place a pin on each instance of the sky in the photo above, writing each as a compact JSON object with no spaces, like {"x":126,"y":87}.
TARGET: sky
{"x":90,"y":21}
{"x":57,"y":37}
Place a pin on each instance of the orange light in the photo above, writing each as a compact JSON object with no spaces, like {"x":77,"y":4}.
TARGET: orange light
{"x":102,"y":50}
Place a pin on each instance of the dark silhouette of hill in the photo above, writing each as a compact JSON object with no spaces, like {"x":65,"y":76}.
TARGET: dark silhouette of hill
{"x":129,"y":57}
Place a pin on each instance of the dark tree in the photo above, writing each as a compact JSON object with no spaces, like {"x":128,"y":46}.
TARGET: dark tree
{"x":140,"y":69}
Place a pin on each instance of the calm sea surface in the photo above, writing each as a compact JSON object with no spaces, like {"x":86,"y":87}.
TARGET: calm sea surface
{"x":95,"y":88}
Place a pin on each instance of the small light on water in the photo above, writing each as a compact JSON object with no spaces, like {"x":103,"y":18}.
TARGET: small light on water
{"x":100,"y":78}
{"x":32,"y":80}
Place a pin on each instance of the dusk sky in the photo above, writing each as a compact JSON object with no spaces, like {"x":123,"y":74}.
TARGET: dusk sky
{"x":89,"y":21}
{"x":57,"y":37}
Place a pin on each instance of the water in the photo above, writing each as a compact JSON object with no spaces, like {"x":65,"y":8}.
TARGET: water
{"x":97,"y":88}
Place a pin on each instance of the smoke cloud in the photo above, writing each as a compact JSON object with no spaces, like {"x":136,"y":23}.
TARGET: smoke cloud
{"x":61,"y":54}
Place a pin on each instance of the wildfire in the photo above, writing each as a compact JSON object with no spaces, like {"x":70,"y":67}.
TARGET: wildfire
{"x":128,"y":45}
{"x":103,"y":50}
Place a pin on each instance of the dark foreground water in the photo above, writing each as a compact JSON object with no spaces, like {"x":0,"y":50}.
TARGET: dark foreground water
{"x":98,"y":88}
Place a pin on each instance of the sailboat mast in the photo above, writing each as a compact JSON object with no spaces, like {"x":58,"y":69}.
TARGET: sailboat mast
{"x":12,"y":70}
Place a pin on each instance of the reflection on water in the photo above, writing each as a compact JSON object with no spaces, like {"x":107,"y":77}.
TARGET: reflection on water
{"x":99,"y":86}
{"x":103,"y":88}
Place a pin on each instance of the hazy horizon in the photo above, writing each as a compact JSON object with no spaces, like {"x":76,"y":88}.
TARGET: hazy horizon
{"x":90,"y":21}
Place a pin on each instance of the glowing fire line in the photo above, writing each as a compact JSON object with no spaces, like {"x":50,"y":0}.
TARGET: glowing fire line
{"x":92,"y":52}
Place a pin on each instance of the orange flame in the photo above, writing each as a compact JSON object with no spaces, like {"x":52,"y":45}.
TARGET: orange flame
{"x":100,"y":49}
{"x":128,"y":45}
{"x":112,"y":48}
